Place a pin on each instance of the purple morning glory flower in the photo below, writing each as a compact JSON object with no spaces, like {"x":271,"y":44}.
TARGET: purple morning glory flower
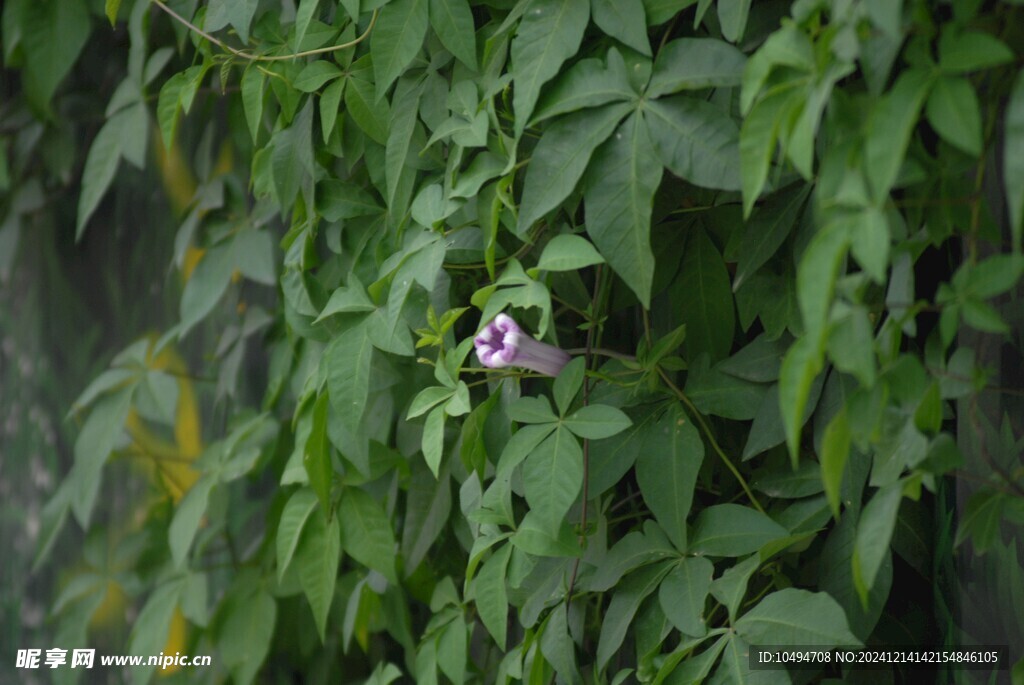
{"x":503,"y":343}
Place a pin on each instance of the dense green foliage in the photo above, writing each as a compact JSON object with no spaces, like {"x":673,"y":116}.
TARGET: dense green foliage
{"x":766,"y":230}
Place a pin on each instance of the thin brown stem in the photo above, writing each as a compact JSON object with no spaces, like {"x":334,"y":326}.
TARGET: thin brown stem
{"x":241,"y":54}
{"x":586,"y":443}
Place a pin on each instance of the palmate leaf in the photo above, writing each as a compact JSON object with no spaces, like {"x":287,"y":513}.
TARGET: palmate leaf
{"x":619,"y":197}
{"x":549,"y":33}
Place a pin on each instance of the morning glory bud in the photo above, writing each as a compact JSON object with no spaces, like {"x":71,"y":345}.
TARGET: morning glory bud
{"x":503,"y":343}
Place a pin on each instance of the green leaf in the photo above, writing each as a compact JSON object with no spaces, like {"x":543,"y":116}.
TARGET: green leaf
{"x":292,"y":158}
{"x":316,"y":559}
{"x":835,"y":448}
{"x":696,"y":140}
{"x":758,"y":362}
{"x":667,"y":465}
{"x":549,"y":33}
{"x":553,"y":477}
{"x":623,"y":20}
{"x":347,"y":300}
{"x":296,"y":512}
{"x":366,"y":532}
{"x":453,"y":23}
{"x":624,"y":605}
{"x":428,"y":506}
{"x":370,"y":114}
{"x":610,"y":459}
{"x":732,"y":530}
{"x":187,"y":517}
{"x":244,"y":636}
{"x":816,"y":278}
{"x":152,"y":625}
{"x":874,"y":531}
{"x":330,"y":105}
{"x":684,"y":592}
{"x":427,"y":398}
{"x":348,"y":360}
{"x":532,"y":410}
{"x":619,"y":197}
{"x":490,"y":595}
{"x":732,"y":15}
{"x":168,"y":106}
{"x":100,"y":167}
{"x":787,"y":46}
{"x":796,"y":617}
{"x":315,"y":74}
{"x":110,"y":9}
{"x":634,"y":550}
{"x":695,"y":63}
{"x":990,"y":277}
{"x":588,"y":83}
{"x":568,"y":253}
{"x":316,"y":457}
{"x":337,"y":200}
{"x":983,"y":317}
{"x":521,"y":444}
{"x":1013,"y":162}
{"x":452,"y":648}
{"x":800,"y":367}
{"x":535,"y":537}
{"x":960,"y":53}
{"x":718,"y":393}
{"x":561,"y":157}
{"x":869,"y":237}
{"x":757,"y":142}
{"x":249,"y":251}
{"x":252,"y":102}
{"x":703,"y":296}
{"x":889,"y":128}
{"x":396,"y":40}
{"x":433,"y":439}
{"x":567,"y":384}
{"x":597,"y":421}
{"x":53,"y":35}
{"x":730,"y":588}
{"x":982,"y":519}
{"x":238,"y":13}
{"x":764,"y":234}
{"x":99,"y":434}
{"x":102,"y":384}
{"x":955,"y":114}
{"x":303,"y":16}
{"x":660,"y":11}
